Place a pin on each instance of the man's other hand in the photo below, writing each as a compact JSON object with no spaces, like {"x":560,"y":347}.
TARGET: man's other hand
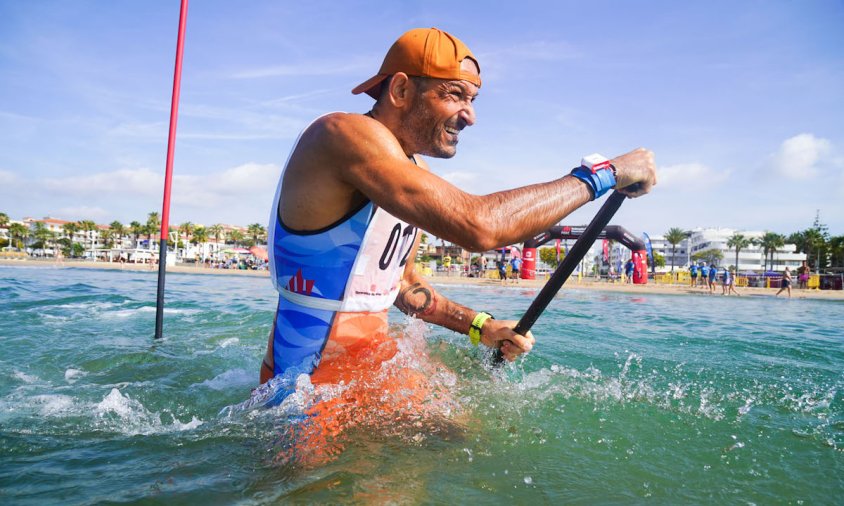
{"x":499,"y":334}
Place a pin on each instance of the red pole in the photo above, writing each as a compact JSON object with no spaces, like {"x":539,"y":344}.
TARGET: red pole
{"x":168,"y":176}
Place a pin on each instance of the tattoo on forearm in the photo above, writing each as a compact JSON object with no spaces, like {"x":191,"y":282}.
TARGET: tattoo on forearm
{"x":416,"y":300}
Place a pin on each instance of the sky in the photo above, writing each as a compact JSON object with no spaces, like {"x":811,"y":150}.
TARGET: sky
{"x":742,"y":102}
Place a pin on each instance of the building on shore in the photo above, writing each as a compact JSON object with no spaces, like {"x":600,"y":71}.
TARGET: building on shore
{"x":750,"y":258}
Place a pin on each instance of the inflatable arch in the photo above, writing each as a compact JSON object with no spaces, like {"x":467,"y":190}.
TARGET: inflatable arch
{"x":614,"y":232}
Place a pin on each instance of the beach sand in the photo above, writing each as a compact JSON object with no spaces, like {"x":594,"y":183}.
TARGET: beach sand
{"x":583,"y":284}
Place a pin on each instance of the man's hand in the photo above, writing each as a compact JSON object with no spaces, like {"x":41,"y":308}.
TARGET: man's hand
{"x":499,"y":334}
{"x":635,"y":172}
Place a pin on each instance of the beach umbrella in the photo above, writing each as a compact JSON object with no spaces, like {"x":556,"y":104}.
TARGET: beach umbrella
{"x":259,"y":252}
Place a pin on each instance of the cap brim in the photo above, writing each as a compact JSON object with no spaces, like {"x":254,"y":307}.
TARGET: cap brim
{"x":370,"y":86}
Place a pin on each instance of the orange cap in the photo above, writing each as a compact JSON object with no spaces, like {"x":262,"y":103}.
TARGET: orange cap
{"x":424,"y":52}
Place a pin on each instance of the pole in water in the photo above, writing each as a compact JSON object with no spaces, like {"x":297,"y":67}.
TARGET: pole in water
{"x":168,"y":175}
{"x":564,"y":270}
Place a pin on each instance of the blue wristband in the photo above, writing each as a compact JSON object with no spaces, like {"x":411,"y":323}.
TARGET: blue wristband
{"x":599,"y":181}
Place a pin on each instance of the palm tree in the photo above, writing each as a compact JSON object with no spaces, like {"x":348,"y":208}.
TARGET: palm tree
{"x":4,"y":223}
{"x":739,"y":242}
{"x":777,"y":242}
{"x":257,"y":231}
{"x":70,"y":228}
{"x":187,"y":229}
{"x":137,"y":229}
{"x":200,"y":236}
{"x":153,"y":225}
{"x":770,"y":243}
{"x":20,"y":231}
{"x":215,"y":231}
{"x":236,"y":236}
{"x":674,"y":237}
{"x":42,"y":236}
{"x":89,"y":226}
{"x":117,"y":231}
{"x":107,"y":237}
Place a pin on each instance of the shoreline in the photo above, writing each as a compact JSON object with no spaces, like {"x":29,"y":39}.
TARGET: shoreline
{"x":650,"y":288}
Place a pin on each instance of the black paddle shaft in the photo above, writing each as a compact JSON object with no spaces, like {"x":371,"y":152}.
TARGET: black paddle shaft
{"x":567,"y":266}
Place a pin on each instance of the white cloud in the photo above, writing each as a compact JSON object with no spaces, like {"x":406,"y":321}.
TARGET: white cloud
{"x":125,"y":181}
{"x":250,"y":181}
{"x":688,"y":175}
{"x":85,"y":213}
{"x":801,"y":156}
{"x":208,"y":190}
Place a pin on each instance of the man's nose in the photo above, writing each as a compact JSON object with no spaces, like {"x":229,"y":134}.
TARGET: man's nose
{"x":467,"y":114}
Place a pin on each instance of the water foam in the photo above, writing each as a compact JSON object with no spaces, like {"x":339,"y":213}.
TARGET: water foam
{"x":72,"y":375}
{"x":128,"y":416}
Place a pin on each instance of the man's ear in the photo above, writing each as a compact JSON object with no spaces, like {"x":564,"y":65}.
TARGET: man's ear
{"x":399,"y":91}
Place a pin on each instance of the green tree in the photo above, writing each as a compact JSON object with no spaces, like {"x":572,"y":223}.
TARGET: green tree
{"x":216,"y":231}
{"x":153,"y":226}
{"x":674,"y":237}
{"x":136,"y":229}
{"x":186,"y":228}
{"x":770,"y":243}
{"x":4,"y":223}
{"x":236,"y":236}
{"x":43,"y":236}
{"x":659,"y":260}
{"x":65,"y":245}
{"x":118,"y":230}
{"x":708,"y":255}
{"x":20,"y":231}
{"x":738,"y":242}
{"x":200,"y":237}
{"x":836,"y":251}
{"x":88,"y":226}
{"x":549,"y":256}
{"x":107,"y":237}
{"x":257,"y":232}
{"x":70,"y":229}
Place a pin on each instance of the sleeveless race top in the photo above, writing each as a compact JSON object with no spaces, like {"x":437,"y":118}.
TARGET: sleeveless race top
{"x":352,"y":266}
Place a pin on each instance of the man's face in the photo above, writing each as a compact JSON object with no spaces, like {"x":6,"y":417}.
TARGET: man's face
{"x":439,"y":110}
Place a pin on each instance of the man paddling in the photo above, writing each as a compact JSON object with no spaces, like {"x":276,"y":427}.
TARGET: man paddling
{"x":354,"y":192}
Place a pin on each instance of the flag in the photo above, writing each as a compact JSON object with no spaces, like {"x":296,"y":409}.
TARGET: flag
{"x":648,"y":247}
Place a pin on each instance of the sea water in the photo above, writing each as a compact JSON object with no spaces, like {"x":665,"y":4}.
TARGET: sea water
{"x":626,"y":398}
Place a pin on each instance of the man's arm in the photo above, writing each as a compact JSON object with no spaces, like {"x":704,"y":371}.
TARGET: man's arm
{"x":419,"y":299}
{"x":368,"y":158}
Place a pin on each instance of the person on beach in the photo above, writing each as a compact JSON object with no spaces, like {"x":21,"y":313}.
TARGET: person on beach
{"x":730,"y":282}
{"x":629,"y":267}
{"x":502,"y":270}
{"x":693,"y":274}
{"x":515,"y":268}
{"x":355,"y":191}
{"x":786,"y":282}
{"x":713,"y":273}
{"x":803,"y":276}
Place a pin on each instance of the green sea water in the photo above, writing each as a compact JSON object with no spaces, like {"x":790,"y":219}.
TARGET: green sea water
{"x":625,"y":399}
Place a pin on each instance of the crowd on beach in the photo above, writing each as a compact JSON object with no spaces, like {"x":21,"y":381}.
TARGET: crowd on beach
{"x":707,"y":277}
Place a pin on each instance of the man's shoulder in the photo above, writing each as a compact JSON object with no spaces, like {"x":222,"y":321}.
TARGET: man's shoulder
{"x":343,"y":133}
